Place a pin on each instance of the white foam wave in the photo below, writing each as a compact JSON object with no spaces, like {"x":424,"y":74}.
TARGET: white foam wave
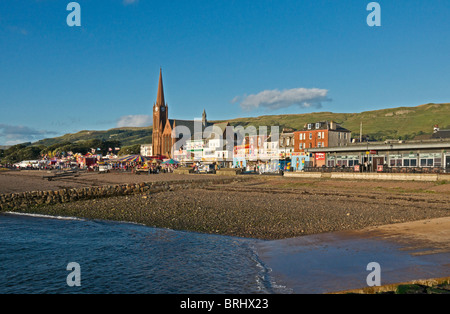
{"x":44,"y":216}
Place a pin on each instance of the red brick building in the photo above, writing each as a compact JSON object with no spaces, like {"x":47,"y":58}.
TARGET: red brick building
{"x":321,"y":134}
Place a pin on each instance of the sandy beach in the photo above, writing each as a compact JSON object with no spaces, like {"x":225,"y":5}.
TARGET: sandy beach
{"x":262,"y":207}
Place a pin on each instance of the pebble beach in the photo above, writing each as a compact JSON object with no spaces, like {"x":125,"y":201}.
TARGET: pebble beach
{"x":261,"y":207}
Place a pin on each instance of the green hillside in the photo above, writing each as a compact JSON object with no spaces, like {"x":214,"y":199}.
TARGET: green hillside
{"x":394,"y":123}
{"x":126,"y":136}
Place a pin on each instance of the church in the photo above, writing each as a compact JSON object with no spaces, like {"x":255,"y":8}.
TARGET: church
{"x":163,"y":127}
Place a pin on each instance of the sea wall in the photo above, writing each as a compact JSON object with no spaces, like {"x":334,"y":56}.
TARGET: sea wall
{"x":27,"y":199}
{"x":371,"y":176}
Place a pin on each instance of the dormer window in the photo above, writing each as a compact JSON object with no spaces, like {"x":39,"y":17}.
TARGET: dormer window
{"x":309,"y":126}
{"x":317,"y":125}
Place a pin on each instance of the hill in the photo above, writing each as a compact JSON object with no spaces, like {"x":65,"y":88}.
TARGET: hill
{"x":394,"y":123}
{"x":126,"y":136}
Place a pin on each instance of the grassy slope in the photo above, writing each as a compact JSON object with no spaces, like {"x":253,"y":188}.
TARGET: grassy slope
{"x":380,"y":124}
{"x":127,"y":136}
{"x":385,"y":123}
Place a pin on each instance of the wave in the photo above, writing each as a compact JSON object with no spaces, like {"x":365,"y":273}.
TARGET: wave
{"x":44,"y":216}
{"x":264,"y":280}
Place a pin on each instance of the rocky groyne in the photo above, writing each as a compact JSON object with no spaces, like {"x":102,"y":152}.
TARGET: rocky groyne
{"x":28,"y":199}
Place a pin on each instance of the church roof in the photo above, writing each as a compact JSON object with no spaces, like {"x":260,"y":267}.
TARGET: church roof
{"x":190,"y":124}
{"x":160,"y":96}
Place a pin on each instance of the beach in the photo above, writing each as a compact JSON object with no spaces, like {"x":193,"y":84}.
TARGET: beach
{"x":262,"y":207}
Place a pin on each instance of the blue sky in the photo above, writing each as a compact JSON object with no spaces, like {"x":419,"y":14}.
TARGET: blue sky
{"x":234,"y":58}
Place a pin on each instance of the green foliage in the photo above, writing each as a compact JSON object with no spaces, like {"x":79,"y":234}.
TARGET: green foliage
{"x":126,"y":136}
{"x":82,"y":147}
{"x":20,"y":153}
{"x":130,"y":150}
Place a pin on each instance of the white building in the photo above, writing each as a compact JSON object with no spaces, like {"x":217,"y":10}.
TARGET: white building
{"x":146,"y":150}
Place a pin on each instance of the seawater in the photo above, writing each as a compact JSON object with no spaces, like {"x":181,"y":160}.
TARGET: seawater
{"x":125,"y":258}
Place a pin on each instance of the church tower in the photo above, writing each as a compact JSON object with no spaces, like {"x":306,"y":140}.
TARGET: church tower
{"x":159,"y":118}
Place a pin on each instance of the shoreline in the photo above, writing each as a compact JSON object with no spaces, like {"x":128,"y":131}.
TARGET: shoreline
{"x":249,"y":207}
{"x":275,"y":211}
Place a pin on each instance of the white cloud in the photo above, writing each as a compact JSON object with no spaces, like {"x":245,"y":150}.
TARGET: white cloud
{"x":276,"y":99}
{"x":134,"y":121}
{"x":15,"y":134}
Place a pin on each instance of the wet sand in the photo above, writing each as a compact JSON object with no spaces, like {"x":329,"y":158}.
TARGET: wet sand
{"x":337,"y":262}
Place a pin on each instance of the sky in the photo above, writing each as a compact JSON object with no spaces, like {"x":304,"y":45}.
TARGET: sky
{"x":242,"y":58}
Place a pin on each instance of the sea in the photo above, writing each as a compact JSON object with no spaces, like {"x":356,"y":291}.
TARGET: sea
{"x":64,"y":255}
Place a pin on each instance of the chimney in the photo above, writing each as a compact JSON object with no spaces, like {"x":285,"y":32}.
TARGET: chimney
{"x":332,"y":125}
{"x":436,"y":128}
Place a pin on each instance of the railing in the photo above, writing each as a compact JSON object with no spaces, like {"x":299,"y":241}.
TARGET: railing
{"x":385,"y":169}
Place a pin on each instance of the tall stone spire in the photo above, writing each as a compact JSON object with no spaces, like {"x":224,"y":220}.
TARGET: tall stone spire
{"x":204,"y":118}
{"x":160,"y":97}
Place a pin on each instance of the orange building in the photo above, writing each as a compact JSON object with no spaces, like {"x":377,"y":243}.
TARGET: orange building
{"x":320,"y":134}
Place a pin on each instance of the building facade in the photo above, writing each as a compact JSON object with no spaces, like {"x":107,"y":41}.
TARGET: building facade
{"x":394,"y":156}
{"x":160,"y":117}
{"x":319,"y":135}
{"x":147,"y":150}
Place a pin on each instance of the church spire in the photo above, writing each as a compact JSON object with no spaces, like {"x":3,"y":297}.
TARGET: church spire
{"x":204,"y":118}
{"x":160,"y":97}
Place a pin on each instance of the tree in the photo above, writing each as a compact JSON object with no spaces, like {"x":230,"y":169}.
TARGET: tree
{"x":130,"y":150}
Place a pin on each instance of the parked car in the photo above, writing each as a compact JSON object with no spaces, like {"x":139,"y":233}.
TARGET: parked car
{"x":206,"y":169}
{"x":28,"y":164}
{"x":104,"y":168}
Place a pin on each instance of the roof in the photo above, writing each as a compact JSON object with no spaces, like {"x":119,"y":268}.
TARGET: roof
{"x":324,"y":125}
{"x":190,"y":125}
{"x":441,"y":134}
{"x":383,"y":146}
{"x":160,"y":95}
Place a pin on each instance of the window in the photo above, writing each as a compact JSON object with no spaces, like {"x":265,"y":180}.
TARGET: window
{"x":310,"y":136}
{"x":323,"y":135}
{"x":319,"y":135}
{"x":288,"y":141}
{"x":426,"y":162}
{"x":301,"y":146}
{"x":317,"y":125}
{"x":309,"y":126}
{"x":319,"y":144}
{"x":437,"y":162}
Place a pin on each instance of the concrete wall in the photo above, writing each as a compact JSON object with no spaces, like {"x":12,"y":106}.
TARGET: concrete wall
{"x":371,"y":176}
